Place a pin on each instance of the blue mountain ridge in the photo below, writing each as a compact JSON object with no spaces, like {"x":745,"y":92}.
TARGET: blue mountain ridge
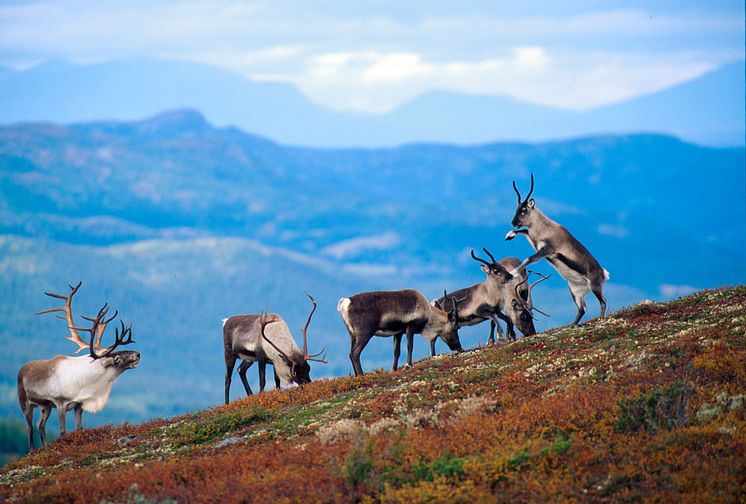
{"x":708,"y":110}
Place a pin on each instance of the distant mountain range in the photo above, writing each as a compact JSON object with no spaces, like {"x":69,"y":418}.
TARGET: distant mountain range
{"x":178,"y":224}
{"x":708,"y":110}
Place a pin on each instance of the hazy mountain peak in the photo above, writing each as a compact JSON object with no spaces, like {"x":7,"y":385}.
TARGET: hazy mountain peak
{"x":175,"y":122}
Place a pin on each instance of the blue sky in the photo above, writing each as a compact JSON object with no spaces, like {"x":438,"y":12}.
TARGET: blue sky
{"x":372,"y":56}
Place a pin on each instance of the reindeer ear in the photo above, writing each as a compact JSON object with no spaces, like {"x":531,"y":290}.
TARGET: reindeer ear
{"x":531,"y":203}
{"x":484,"y":268}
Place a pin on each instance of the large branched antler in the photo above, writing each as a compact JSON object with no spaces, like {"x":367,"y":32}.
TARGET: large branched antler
{"x":264,"y":322}
{"x":67,"y":309}
{"x":306,"y":356}
{"x":99,"y":323}
{"x":530,"y":307}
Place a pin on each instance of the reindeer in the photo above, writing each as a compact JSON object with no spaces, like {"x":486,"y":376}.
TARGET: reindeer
{"x":244,"y":337}
{"x":79,"y":383}
{"x":395,"y":313}
{"x":501,"y":296}
{"x":567,"y":255}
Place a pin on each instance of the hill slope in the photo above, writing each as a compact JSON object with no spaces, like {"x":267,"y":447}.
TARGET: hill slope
{"x":647,"y":404}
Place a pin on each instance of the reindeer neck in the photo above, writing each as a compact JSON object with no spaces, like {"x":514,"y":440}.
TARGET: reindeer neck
{"x":435,"y":323}
{"x":541,"y":225}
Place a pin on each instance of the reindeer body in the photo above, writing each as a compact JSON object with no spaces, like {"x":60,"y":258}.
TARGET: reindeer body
{"x":562,"y":250}
{"x":80,"y":383}
{"x":501,"y":296}
{"x":266,"y":339}
{"x":63,"y":382}
{"x":394,"y":313}
{"x":242,"y":339}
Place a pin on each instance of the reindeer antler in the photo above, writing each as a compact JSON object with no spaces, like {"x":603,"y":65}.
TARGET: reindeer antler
{"x":100,"y":323}
{"x":97,"y":332}
{"x":520,"y":200}
{"x":488,"y":253}
{"x":67,"y":309}
{"x":306,"y":355}
{"x":530,"y":308}
{"x":263,"y":322}
{"x":474,"y":256}
{"x":531,"y":286}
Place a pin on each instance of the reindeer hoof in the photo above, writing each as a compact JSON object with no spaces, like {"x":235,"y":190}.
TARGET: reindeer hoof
{"x":510,"y":235}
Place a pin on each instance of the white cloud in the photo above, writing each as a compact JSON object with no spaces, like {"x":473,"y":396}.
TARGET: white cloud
{"x":615,"y":230}
{"x":355,"y":246}
{"x":373,"y":57}
{"x":669,"y":291}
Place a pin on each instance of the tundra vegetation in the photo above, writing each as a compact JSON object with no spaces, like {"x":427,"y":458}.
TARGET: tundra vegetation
{"x":644,"y":405}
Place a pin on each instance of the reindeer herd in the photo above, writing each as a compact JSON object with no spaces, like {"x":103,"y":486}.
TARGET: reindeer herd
{"x":84,"y":383}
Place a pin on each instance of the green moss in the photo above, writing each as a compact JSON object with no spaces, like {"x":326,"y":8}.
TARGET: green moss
{"x":561,"y":444}
{"x":359,"y":465}
{"x":517,"y":460}
{"x":216,"y":426}
{"x":662,"y":409}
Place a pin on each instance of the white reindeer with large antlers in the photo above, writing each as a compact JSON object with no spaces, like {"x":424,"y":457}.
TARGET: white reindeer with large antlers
{"x":79,"y":383}
{"x":244,"y":338}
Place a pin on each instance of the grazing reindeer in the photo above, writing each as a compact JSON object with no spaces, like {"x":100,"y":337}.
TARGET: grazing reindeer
{"x":244,"y":337}
{"x":501,"y":296}
{"x":79,"y":383}
{"x":394,"y":313}
{"x":567,"y":255}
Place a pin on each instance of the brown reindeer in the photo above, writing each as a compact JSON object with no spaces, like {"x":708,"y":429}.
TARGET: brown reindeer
{"x":244,"y":338}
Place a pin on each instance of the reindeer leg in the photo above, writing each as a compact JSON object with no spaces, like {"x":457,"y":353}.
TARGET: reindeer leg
{"x":357,"y":344}
{"x":277,"y":378}
{"x":598,"y":291}
{"x":397,"y":351}
{"x":28,"y":413}
{"x":515,"y":232}
{"x":230,"y":362}
{"x":61,"y":411}
{"x":508,"y":325}
{"x":245,"y":365}
{"x":262,"y":375}
{"x":78,"y":416}
{"x":578,"y":292}
{"x":545,"y":251}
{"x":42,"y":425}
{"x":410,"y":344}
{"x":432,"y":347}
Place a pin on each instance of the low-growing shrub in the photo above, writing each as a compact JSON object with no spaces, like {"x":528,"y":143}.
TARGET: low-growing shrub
{"x":663,"y":409}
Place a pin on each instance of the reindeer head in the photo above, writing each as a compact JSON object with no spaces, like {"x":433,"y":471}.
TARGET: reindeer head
{"x":522,"y":217}
{"x":120,"y":360}
{"x":449,"y":333}
{"x":297,"y":362}
{"x":519,"y":313}
{"x":494,"y":270}
{"x":518,"y":307}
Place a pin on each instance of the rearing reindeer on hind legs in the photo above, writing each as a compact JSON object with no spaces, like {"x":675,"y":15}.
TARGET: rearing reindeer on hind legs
{"x":567,"y":255}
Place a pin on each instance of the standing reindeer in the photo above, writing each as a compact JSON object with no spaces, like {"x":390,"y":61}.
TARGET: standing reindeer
{"x":244,"y":338}
{"x":79,"y":383}
{"x":501,"y":296}
{"x":394,"y":313}
{"x":567,"y":255}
